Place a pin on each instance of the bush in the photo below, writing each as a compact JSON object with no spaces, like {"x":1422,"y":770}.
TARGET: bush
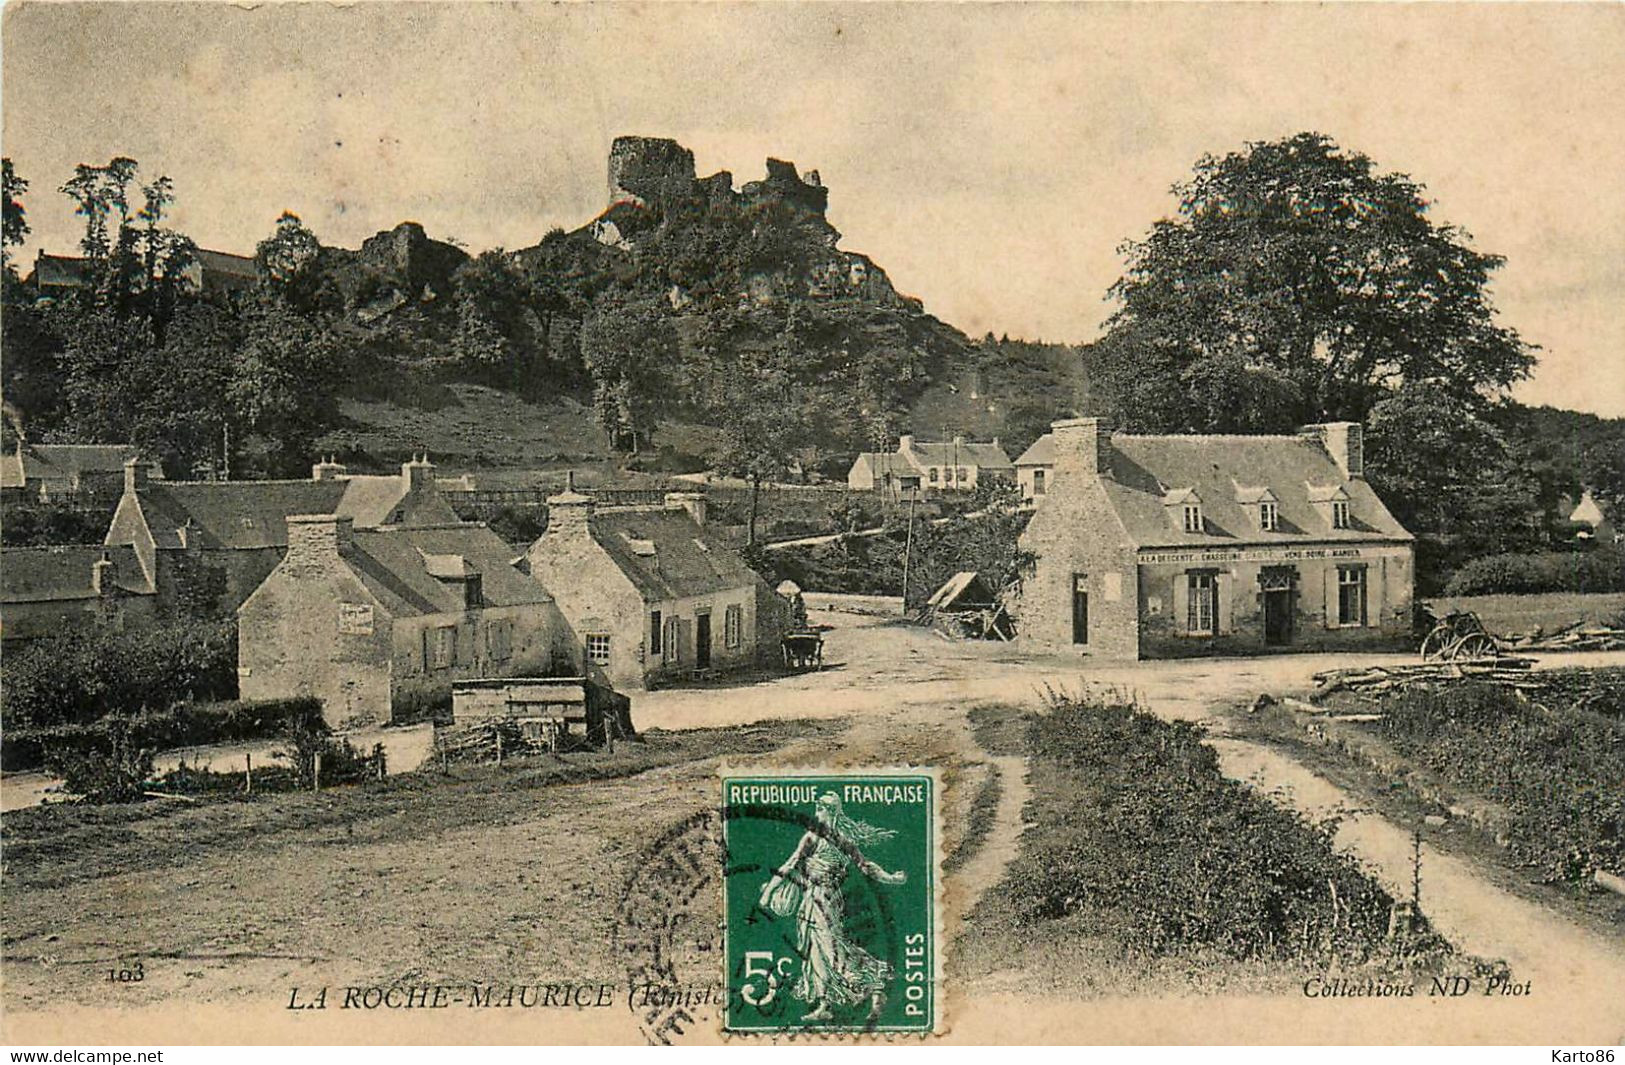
{"x":110,"y":762}
{"x":414,"y":704}
{"x":1600,"y":570}
{"x":341,"y":762}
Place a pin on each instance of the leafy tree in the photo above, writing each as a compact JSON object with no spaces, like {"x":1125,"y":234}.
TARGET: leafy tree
{"x":284,"y":387}
{"x":761,"y":418}
{"x":102,"y":353}
{"x":288,"y":263}
{"x":1448,"y":475}
{"x":629,"y":349}
{"x":14,"y":228}
{"x":1299,"y":284}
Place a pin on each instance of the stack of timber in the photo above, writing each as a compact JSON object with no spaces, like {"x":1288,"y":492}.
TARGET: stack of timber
{"x":1577,"y":637}
{"x":1377,"y":680}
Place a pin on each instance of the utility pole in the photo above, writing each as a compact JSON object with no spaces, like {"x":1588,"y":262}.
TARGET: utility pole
{"x":908,"y":546}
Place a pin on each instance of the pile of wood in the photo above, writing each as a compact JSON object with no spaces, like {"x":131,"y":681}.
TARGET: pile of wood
{"x":1579,"y":636}
{"x":1376,"y":680}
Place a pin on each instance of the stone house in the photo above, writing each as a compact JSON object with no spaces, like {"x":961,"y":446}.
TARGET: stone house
{"x":1161,"y":546}
{"x":1035,"y":469}
{"x":356,"y":617}
{"x":953,"y":465}
{"x":46,"y":472}
{"x":48,"y":590}
{"x":209,"y":544}
{"x":649,"y":595}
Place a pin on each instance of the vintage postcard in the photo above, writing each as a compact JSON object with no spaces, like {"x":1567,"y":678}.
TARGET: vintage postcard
{"x":841,"y":523}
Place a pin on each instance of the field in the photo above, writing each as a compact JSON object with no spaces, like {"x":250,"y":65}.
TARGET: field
{"x":1508,"y":615}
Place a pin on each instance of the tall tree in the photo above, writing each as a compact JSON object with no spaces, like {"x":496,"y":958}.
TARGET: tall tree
{"x":1299,"y":284}
{"x":629,"y":348}
{"x":15,"y":217}
{"x":288,"y":264}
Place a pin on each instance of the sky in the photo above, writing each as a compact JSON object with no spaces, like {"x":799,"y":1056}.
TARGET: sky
{"x":992,"y":158}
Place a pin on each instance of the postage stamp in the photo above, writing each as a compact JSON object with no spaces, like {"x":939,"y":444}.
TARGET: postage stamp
{"x":832,"y":902}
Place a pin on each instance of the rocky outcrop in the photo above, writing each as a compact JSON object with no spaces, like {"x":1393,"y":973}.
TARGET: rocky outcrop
{"x":785,"y":185}
{"x":649,"y":171}
{"x":407,"y":255}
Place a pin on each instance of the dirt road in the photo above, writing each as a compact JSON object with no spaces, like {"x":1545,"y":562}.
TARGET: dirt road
{"x":891,"y":675}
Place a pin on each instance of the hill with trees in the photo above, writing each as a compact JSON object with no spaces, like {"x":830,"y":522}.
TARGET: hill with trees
{"x":694,"y":323}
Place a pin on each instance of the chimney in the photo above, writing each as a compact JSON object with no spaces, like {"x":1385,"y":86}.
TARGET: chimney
{"x":102,"y":572}
{"x":568,"y":513}
{"x":959,"y":441}
{"x":327,"y":470}
{"x":315,"y":540}
{"x":905,"y":442}
{"x":1344,"y":442}
{"x":693,"y":502}
{"x":1083,"y":443}
{"x":135,"y":474}
{"x":419,"y":473}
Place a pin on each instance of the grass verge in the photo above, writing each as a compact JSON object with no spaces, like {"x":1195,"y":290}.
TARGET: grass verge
{"x":58,"y":844}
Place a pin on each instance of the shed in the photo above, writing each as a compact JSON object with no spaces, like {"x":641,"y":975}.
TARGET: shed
{"x":547,"y":711}
{"x":967,"y":606}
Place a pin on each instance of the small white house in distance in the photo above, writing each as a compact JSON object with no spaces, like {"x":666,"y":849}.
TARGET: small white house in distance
{"x":924,"y":466}
{"x":1035,"y":469}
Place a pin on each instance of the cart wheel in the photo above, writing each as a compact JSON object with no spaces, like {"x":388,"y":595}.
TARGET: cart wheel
{"x":1477,"y":645}
{"x":1435,"y":647}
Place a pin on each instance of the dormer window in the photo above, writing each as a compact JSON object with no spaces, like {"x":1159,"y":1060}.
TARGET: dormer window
{"x":1269,"y":516}
{"x":1184,"y":508}
{"x":1340,"y":513}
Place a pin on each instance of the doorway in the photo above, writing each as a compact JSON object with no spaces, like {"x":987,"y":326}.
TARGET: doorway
{"x":1080,"y":610}
{"x":702,"y":641}
{"x":1276,"y":587}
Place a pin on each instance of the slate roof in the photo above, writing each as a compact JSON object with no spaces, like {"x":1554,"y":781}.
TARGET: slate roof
{"x":396,"y":564}
{"x":62,"y":270}
{"x":988,"y":456}
{"x":223,"y":262}
{"x":882,"y":463}
{"x":59,"y":573}
{"x":249,"y":515}
{"x":1041,"y":453}
{"x":1146,"y":469}
{"x":59,"y":462}
{"x":667,"y":555}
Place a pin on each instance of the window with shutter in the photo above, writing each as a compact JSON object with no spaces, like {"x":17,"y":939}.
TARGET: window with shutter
{"x":1201,"y":604}
{"x":1351,"y":595}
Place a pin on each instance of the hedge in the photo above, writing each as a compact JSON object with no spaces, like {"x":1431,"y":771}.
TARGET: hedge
{"x":182,"y":725}
{"x":81,"y":676}
{"x":1599,"y":570}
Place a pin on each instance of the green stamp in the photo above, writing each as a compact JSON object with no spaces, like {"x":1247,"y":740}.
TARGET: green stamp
{"x":830,"y":902}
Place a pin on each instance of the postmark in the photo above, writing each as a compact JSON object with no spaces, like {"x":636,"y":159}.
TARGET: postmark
{"x":831,"y":902}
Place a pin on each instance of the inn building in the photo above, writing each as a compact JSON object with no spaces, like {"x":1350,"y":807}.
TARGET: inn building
{"x":1167,"y":546}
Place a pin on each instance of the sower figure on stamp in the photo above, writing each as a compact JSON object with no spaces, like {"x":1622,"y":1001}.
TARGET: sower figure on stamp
{"x":835,"y":971}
